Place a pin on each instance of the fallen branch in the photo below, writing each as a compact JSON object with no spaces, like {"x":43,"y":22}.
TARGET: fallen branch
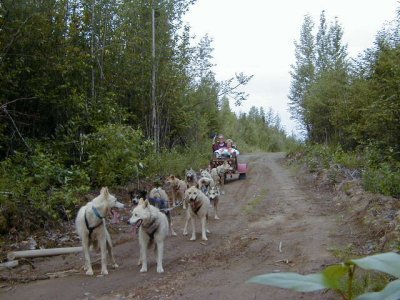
{"x":286,"y":261}
{"x":42,"y":252}
{"x":61,"y":273}
{"x":8,"y":264}
{"x":280,"y":247}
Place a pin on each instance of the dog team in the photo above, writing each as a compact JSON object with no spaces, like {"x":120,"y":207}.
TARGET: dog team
{"x":151,"y":214}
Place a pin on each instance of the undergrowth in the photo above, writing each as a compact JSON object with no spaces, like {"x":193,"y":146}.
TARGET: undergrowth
{"x":41,"y":188}
{"x":379,"y":171}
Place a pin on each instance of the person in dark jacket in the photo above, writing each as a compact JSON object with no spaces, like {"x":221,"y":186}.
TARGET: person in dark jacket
{"x":218,"y":142}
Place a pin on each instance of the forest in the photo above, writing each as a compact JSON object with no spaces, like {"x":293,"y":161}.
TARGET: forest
{"x":349,"y":108}
{"x":101,"y":93}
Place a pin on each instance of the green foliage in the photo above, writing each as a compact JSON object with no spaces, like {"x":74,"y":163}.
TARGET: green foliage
{"x":114,"y":154}
{"x":383,"y":179}
{"x":37,"y":189}
{"x":176,"y":161}
{"x":341,"y":278}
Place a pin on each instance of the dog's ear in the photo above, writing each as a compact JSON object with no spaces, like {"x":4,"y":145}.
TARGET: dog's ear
{"x":172,"y":177}
{"x":141,"y":201}
{"x":104,"y":191}
{"x":143,"y":194}
{"x":146,"y":203}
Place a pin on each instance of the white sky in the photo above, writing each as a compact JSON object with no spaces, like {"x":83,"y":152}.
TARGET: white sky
{"x":257,"y":37}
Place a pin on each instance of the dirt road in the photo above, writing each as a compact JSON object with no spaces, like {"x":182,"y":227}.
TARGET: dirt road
{"x":268,"y":223}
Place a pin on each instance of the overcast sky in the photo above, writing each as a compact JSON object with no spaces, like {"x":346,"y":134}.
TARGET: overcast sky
{"x":257,"y":37}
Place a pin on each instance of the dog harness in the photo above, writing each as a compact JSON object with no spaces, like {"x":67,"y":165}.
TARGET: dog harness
{"x":96,"y":212}
{"x":158,"y":202}
{"x":151,"y":228}
{"x":196,"y":207}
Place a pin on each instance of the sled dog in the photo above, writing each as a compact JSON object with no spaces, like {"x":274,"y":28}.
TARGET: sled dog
{"x":159,"y":198}
{"x":135,"y":196}
{"x":176,"y":188}
{"x":191,"y":177}
{"x":213,"y":195}
{"x":198,"y":207}
{"x":153,"y":229}
{"x":219,"y":173}
{"x":91,"y":227}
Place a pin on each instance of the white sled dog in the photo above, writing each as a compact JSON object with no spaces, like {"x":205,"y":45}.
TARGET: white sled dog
{"x":218,"y":174}
{"x":153,"y":229}
{"x":213,"y":195}
{"x":198,"y":207}
{"x":91,"y":227}
{"x":206,"y":181}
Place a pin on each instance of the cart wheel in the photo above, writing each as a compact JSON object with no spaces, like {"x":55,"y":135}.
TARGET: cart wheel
{"x":242,"y":176}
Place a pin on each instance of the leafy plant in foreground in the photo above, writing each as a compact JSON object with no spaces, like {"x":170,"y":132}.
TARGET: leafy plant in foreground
{"x":334,"y":276}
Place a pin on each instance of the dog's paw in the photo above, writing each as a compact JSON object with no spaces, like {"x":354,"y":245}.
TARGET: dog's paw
{"x":143,"y":270}
{"x":208,"y":231}
{"x":193,"y":238}
{"x":185,"y":233}
{"x":115,"y":266}
{"x":204,"y":238}
{"x":173,"y":233}
{"x":104,"y":272}
{"x":216,"y":217}
{"x":89,"y":272}
{"x":160,"y":270}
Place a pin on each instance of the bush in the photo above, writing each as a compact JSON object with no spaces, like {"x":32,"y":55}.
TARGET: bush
{"x":380,"y":169}
{"x":176,"y":161}
{"x":37,"y":188}
{"x":115,"y":153}
{"x":383,"y":179}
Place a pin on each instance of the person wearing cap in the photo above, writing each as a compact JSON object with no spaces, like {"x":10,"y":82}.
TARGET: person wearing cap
{"x":219,"y":143}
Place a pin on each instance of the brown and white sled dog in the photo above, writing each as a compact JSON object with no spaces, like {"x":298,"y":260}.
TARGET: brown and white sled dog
{"x":197,"y":208}
{"x":213,"y":195}
{"x":176,"y":188}
{"x":218,"y":174}
{"x":153,"y":229}
{"x":91,"y":227}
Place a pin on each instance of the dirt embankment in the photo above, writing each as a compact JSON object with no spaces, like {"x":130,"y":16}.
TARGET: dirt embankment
{"x":269,"y":222}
